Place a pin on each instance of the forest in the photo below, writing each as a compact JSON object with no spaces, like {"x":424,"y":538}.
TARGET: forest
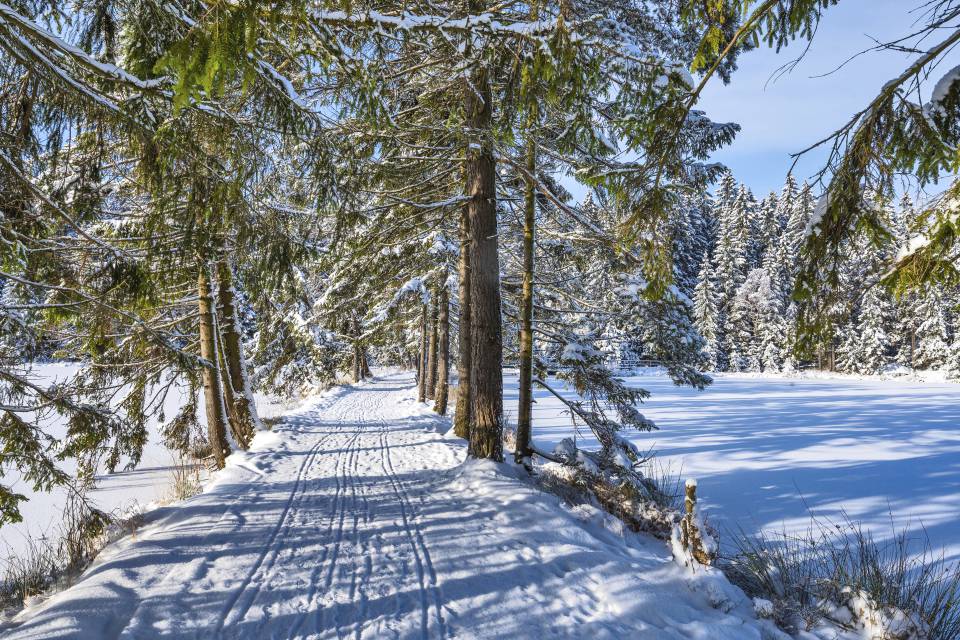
{"x":205,"y":203}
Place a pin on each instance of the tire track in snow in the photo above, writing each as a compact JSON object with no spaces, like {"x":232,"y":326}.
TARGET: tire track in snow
{"x":364,"y":552}
{"x":361,"y":412}
{"x":414,"y":535}
{"x":347,"y":474}
{"x":243,"y":598}
{"x":360,"y":546}
{"x":341,"y":474}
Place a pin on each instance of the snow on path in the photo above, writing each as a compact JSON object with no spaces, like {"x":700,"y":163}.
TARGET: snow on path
{"x":356,"y":519}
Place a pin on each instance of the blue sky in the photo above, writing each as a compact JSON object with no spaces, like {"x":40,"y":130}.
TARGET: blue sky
{"x":798,"y":109}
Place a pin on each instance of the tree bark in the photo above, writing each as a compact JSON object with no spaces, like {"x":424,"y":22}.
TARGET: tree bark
{"x":242,"y":407}
{"x":461,"y":418}
{"x":443,"y":351}
{"x":913,"y":347}
{"x":365,"y":365}
{"x":432,"y":352}
{"x":229,"y":399}
{"x":357,"y":349}
{"x":525,"y":409}
{"x":422,"y":359}
{"x":212,"y":387}
{"x":356,"y":364}
{"x":486,"y":377}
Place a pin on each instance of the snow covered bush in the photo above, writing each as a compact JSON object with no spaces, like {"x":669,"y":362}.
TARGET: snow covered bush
{"x":645,"y":498}
{"x":605,"y":397}
{"x":292,"y":356}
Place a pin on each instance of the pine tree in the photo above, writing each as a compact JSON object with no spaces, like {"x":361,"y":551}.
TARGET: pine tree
{"x":872,"y":352}
{"x":705,"y":311}
{"x":932,"y":339}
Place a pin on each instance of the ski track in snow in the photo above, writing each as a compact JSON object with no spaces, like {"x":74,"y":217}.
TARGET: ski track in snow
{"x":356,"y":519}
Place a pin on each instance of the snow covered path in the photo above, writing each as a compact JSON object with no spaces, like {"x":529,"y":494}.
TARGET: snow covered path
{"x":355,"y":518}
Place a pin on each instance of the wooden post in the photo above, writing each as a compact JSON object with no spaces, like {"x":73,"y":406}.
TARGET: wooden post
{"x":691,"y":537}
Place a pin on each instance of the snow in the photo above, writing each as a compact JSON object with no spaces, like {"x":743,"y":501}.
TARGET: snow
{"x":60,"y":46}
{"x":284,"y":83}
{"x":120,"y":492}
{"x":763,"y":608}
{"x":769,"y":451}
{"x":812,"y":227}
{"x":357,"y":516}
{"x":942,"y":89}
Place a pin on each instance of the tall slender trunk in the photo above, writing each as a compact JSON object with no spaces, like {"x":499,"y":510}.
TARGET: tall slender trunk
{"x":365,"y":365}
{"x":422,"y":359}
{"x":525,"y":410}
{"x":243,"y":408}
{"x":486,"y":375}
{"x":357,"y":376}
{"x":212,"y":387}
{"x":229,"y":398}
{"x":443,"y":351}
{"x":358,"y":354}
{"x":432,"y":352}
{"x":461,"y":419}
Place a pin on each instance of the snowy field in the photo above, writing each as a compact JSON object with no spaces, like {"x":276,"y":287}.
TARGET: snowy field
{"x":771,"y":451}
{"x":768,"y":452}
{"x":119,"y":492}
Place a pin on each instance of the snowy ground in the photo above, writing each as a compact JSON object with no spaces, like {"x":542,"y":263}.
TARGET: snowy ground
{"x":118,"y":492}
{"x":768,"y":451}
{"x":355,"y":518}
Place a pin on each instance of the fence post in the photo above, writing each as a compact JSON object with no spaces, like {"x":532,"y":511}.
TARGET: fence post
{"x":695,"y":540}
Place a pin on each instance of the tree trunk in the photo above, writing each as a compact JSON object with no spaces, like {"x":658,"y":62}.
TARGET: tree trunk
{"x":486,"y":377}
{"x":461,"y":419}
{"x":243,"y":408}
{"x":525,"y":410}
{"x":422,"y":360}
{"x":357,"y":350}
{"x":432,"y":352}
{"x":913,"y":346}
{"x":443,"y":351}
{"x":212,"y":387}
{"x":229,"y":398}
{"x":365,"y":365}
{"x":356,"y":364}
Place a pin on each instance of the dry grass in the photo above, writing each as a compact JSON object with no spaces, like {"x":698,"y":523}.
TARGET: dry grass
{"x":185,"y":480}
{"x":53,"y":562}
{"x":798,"y":574}
{"x":271,"y":422}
